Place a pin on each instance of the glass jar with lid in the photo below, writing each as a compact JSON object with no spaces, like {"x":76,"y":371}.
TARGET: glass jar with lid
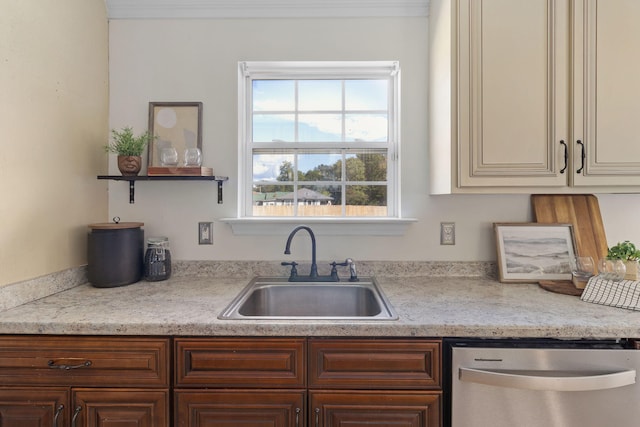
{"x":157,"y":259}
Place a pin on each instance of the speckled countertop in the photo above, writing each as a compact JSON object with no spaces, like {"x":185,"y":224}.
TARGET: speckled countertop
{"x":428,"y":305}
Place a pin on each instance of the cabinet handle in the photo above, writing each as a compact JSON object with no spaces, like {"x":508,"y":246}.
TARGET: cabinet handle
{"x":566,"y":156}
{"x":582,"y":156}
{"x":57,"y":415}
{"x":297,"y":417}
{"x":75,"y":415}
{"x":317,"y":411}
{"x":52,"y":365}
{"x":548,"y":380}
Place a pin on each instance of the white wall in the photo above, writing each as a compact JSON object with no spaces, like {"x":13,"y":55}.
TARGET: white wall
{"x":196,"y":60}
{"x":53,"y":118}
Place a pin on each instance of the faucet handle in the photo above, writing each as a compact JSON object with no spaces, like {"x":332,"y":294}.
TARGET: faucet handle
{"x":294,"y":270}
{"x":334,"y":271}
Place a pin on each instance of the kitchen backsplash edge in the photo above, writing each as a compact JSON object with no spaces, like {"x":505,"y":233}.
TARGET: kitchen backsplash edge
{"x":249,"y":269}
{"x":15,"y":294}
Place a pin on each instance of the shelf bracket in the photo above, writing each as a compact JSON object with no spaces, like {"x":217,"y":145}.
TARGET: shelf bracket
{"x":220,"y":192}
{"x":132,"y":192}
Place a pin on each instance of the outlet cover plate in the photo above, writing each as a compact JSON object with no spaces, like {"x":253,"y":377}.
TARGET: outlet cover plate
{"x":447,"y":233}
{"x":205,"y":233}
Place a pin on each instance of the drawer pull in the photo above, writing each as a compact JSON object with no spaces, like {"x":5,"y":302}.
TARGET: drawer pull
{"x":57,"y":415}
{"x":297,"y":417}
{"x":317,"y":411}
{"x":75,"y":415}
{"x":52,"y":365}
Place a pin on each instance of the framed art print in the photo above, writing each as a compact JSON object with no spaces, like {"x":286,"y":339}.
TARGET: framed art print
{"x":530,"y":252}
{"x":175,"y":125}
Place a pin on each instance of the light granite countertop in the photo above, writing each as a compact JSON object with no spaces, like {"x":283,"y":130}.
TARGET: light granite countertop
{"x":427,"y":305}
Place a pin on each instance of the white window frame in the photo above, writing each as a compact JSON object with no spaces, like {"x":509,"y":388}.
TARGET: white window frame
{"x":249,"y":71}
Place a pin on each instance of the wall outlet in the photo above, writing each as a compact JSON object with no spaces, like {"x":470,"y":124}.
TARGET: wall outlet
{"x":447,"y":233}
{"x":205,"y":233}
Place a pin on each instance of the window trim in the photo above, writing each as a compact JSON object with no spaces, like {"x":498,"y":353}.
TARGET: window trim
{"x":250,"y":70}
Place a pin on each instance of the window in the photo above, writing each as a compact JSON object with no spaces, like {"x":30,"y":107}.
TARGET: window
{"x":319,"y":139}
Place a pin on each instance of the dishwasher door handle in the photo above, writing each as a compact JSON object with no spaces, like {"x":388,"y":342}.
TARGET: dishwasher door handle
{"x":548,"y":380}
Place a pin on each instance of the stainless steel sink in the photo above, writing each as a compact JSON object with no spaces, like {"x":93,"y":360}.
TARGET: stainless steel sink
{"x":277,"y":298}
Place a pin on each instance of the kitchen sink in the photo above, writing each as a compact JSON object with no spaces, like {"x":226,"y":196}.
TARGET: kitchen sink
{"x":277,"y":298}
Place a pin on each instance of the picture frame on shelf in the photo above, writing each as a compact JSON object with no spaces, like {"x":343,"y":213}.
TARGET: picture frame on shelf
{"x":530,"y":252}
{"x":174,"y":125}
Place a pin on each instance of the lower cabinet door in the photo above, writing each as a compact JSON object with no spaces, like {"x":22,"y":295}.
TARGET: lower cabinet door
{"x":120,"y":407}
{"x":363,"y":408}
{"x":34,"y":407}
{"x":247,"y":408}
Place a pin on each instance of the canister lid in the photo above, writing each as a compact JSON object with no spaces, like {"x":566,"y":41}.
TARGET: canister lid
{"x":115,"y":225}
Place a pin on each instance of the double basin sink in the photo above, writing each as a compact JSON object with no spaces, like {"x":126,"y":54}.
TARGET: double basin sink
{"x":277,"y":298}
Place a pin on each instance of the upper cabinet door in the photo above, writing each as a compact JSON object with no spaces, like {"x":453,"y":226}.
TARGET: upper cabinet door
{"x":512,"y":93}
{"x":606,"y":89}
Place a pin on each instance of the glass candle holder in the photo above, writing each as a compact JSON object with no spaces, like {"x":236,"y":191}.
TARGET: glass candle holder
{"x":611,"y":269}
{"x":582,"y":268}
{"x":169,"y":156}
{"x":192,"y":157}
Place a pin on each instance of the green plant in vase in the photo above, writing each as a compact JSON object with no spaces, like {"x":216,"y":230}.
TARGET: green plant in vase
{"x":629,"y":254}
{"x":129,"y":148}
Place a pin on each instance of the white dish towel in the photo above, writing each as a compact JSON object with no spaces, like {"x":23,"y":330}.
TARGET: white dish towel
{"x":622,"y":294}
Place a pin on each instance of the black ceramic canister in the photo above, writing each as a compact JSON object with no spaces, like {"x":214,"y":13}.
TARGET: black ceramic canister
{"x":115,"y":254}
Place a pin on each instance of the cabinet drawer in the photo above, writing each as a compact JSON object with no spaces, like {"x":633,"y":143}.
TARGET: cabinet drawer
{"x":84,"y":361}
{"x":374,"y":363}
{"x":240,"y":362}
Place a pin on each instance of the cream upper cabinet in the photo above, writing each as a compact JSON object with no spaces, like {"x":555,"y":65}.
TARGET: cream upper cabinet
{"x":606,"y":93}
{"x":514,"y":84}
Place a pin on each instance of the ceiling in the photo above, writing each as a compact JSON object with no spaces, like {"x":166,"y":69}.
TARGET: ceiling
{"x":193,"y":9}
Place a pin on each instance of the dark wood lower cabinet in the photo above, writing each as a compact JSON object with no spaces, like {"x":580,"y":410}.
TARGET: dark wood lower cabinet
{"x":91,"y":407}
{"x":34,"y":407}
{"x":82,"y":381}
{"x":246,"y":408}
{"x":78,"y":381}
{"x":120,"y":407}
{"x":307,"y":382}
{"x":370,"y":409}
{"x":258,"y":408}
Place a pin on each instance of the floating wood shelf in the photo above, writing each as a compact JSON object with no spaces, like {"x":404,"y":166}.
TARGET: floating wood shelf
{"x":132,"y":181}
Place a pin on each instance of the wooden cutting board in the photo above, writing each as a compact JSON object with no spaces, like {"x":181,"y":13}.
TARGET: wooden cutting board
{"x":581,"y":210}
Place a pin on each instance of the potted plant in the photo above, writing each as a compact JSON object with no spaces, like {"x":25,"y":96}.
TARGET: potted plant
{"x":629,"y":254}
{"x":129,"y":149}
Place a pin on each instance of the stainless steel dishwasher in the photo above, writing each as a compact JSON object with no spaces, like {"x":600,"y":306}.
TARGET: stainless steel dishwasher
{"x":542,"y":383}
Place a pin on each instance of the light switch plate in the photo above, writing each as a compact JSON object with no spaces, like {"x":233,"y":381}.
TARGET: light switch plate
{"x":447,"y":233}
{"x":205,"y":233}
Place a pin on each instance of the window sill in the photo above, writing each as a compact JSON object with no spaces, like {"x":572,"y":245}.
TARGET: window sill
{"x":321,"y":226}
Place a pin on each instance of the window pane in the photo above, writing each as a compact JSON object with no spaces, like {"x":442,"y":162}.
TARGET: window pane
{"x":366,"y":127}
{"x":319,"y":200}
{"x":274,"y":127}
{"x":320,"y":127}
{"x":319,"y":166}
{"x":270,"y":200}
{"x":366,"y":200}
{"x":320,"y":95}
{"x":366,"y":166}
{"x":274,"y":95}
{"x":272,"y":167}
{"x":366,"y":94}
